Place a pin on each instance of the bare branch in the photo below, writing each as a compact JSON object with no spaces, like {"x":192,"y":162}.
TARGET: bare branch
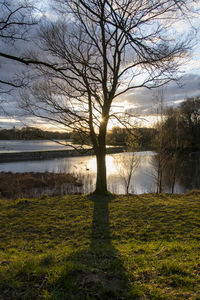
{"x":99,"y":51}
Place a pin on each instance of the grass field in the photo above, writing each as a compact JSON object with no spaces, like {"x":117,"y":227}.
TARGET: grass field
{"x":89,"y":247}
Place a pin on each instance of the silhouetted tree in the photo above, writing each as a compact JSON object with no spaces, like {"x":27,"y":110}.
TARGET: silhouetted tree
{"x":95,"y":53}
{"x":189,"y":122}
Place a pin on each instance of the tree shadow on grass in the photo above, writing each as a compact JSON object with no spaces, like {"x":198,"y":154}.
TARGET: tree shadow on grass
{"x":89,"y":272}
{"x":98,"y":272}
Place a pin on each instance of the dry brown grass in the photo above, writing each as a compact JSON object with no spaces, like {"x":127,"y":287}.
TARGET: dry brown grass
{"x":14,"y":185}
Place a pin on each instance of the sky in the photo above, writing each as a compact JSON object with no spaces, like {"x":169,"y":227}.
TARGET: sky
{"x":140,"y":101}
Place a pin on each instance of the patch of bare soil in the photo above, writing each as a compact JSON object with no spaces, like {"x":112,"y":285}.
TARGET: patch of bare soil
{"x":34,"y":184}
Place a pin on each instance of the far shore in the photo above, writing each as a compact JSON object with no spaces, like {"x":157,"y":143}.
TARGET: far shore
{"x":40,"y":155}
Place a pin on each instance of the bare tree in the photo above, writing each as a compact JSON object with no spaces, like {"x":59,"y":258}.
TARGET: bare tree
{"x":99,"y":51}
{"x":160,"y":161}
{"x":166,"y":144}
{"x":127,"y":163}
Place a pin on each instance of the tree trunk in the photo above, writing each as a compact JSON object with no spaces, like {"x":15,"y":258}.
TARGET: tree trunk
{"x":101,"y":181}
{"x":100,"y":151}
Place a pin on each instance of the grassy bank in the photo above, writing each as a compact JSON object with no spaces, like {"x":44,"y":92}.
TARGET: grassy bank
{"x":86,"y":247}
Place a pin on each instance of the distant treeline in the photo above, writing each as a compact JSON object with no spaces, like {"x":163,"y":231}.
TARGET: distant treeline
{"x":178,"y":130}
{"x":138,"y":138}
{"x":31,"y":133}
{"x":117,"y":136}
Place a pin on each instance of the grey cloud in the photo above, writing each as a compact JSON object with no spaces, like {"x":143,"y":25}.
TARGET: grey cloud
{"x":142,"y":100}
{"x":16,"y":120}
{"x":8,"y":123}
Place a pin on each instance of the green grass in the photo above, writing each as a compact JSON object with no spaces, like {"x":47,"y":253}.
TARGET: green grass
{"x":89,"y":247}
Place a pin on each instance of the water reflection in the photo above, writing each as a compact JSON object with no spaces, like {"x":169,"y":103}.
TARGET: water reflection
{"x":166,"y":173}
{"x":143,"y":180}
{"x":188,"y":171}
{"x":180,"y":173}
{"x":85,"y":168}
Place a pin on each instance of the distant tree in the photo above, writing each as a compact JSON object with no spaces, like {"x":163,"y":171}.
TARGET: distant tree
{"x":117,"y":136}
{"x":172,"y":143}
{"x":160,"y":160}
{"x":181,"y":127}
{"x":128,"y":162}
{"x":95,"y":53}
{"x":143,"y":135}
{"x":178,"y":131}
{"x":189,"y":122}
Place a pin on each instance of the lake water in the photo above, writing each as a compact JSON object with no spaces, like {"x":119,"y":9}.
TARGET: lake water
{"x":143,"y":179}
{"x":33,"y":145}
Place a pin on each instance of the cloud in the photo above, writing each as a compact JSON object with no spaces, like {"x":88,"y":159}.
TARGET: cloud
{"x":7,"y":122}
{"x":142,"y":100}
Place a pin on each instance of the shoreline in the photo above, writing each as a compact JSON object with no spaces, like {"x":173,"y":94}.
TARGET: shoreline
{"x":35,"y":184}
{"x":50,"y":154}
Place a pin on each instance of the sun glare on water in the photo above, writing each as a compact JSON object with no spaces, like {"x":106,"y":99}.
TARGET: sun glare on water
{"x":110,"y":164}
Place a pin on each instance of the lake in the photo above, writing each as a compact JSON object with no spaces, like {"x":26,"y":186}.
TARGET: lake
{"x":30,"y":145}
{"x":143,"y":179}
